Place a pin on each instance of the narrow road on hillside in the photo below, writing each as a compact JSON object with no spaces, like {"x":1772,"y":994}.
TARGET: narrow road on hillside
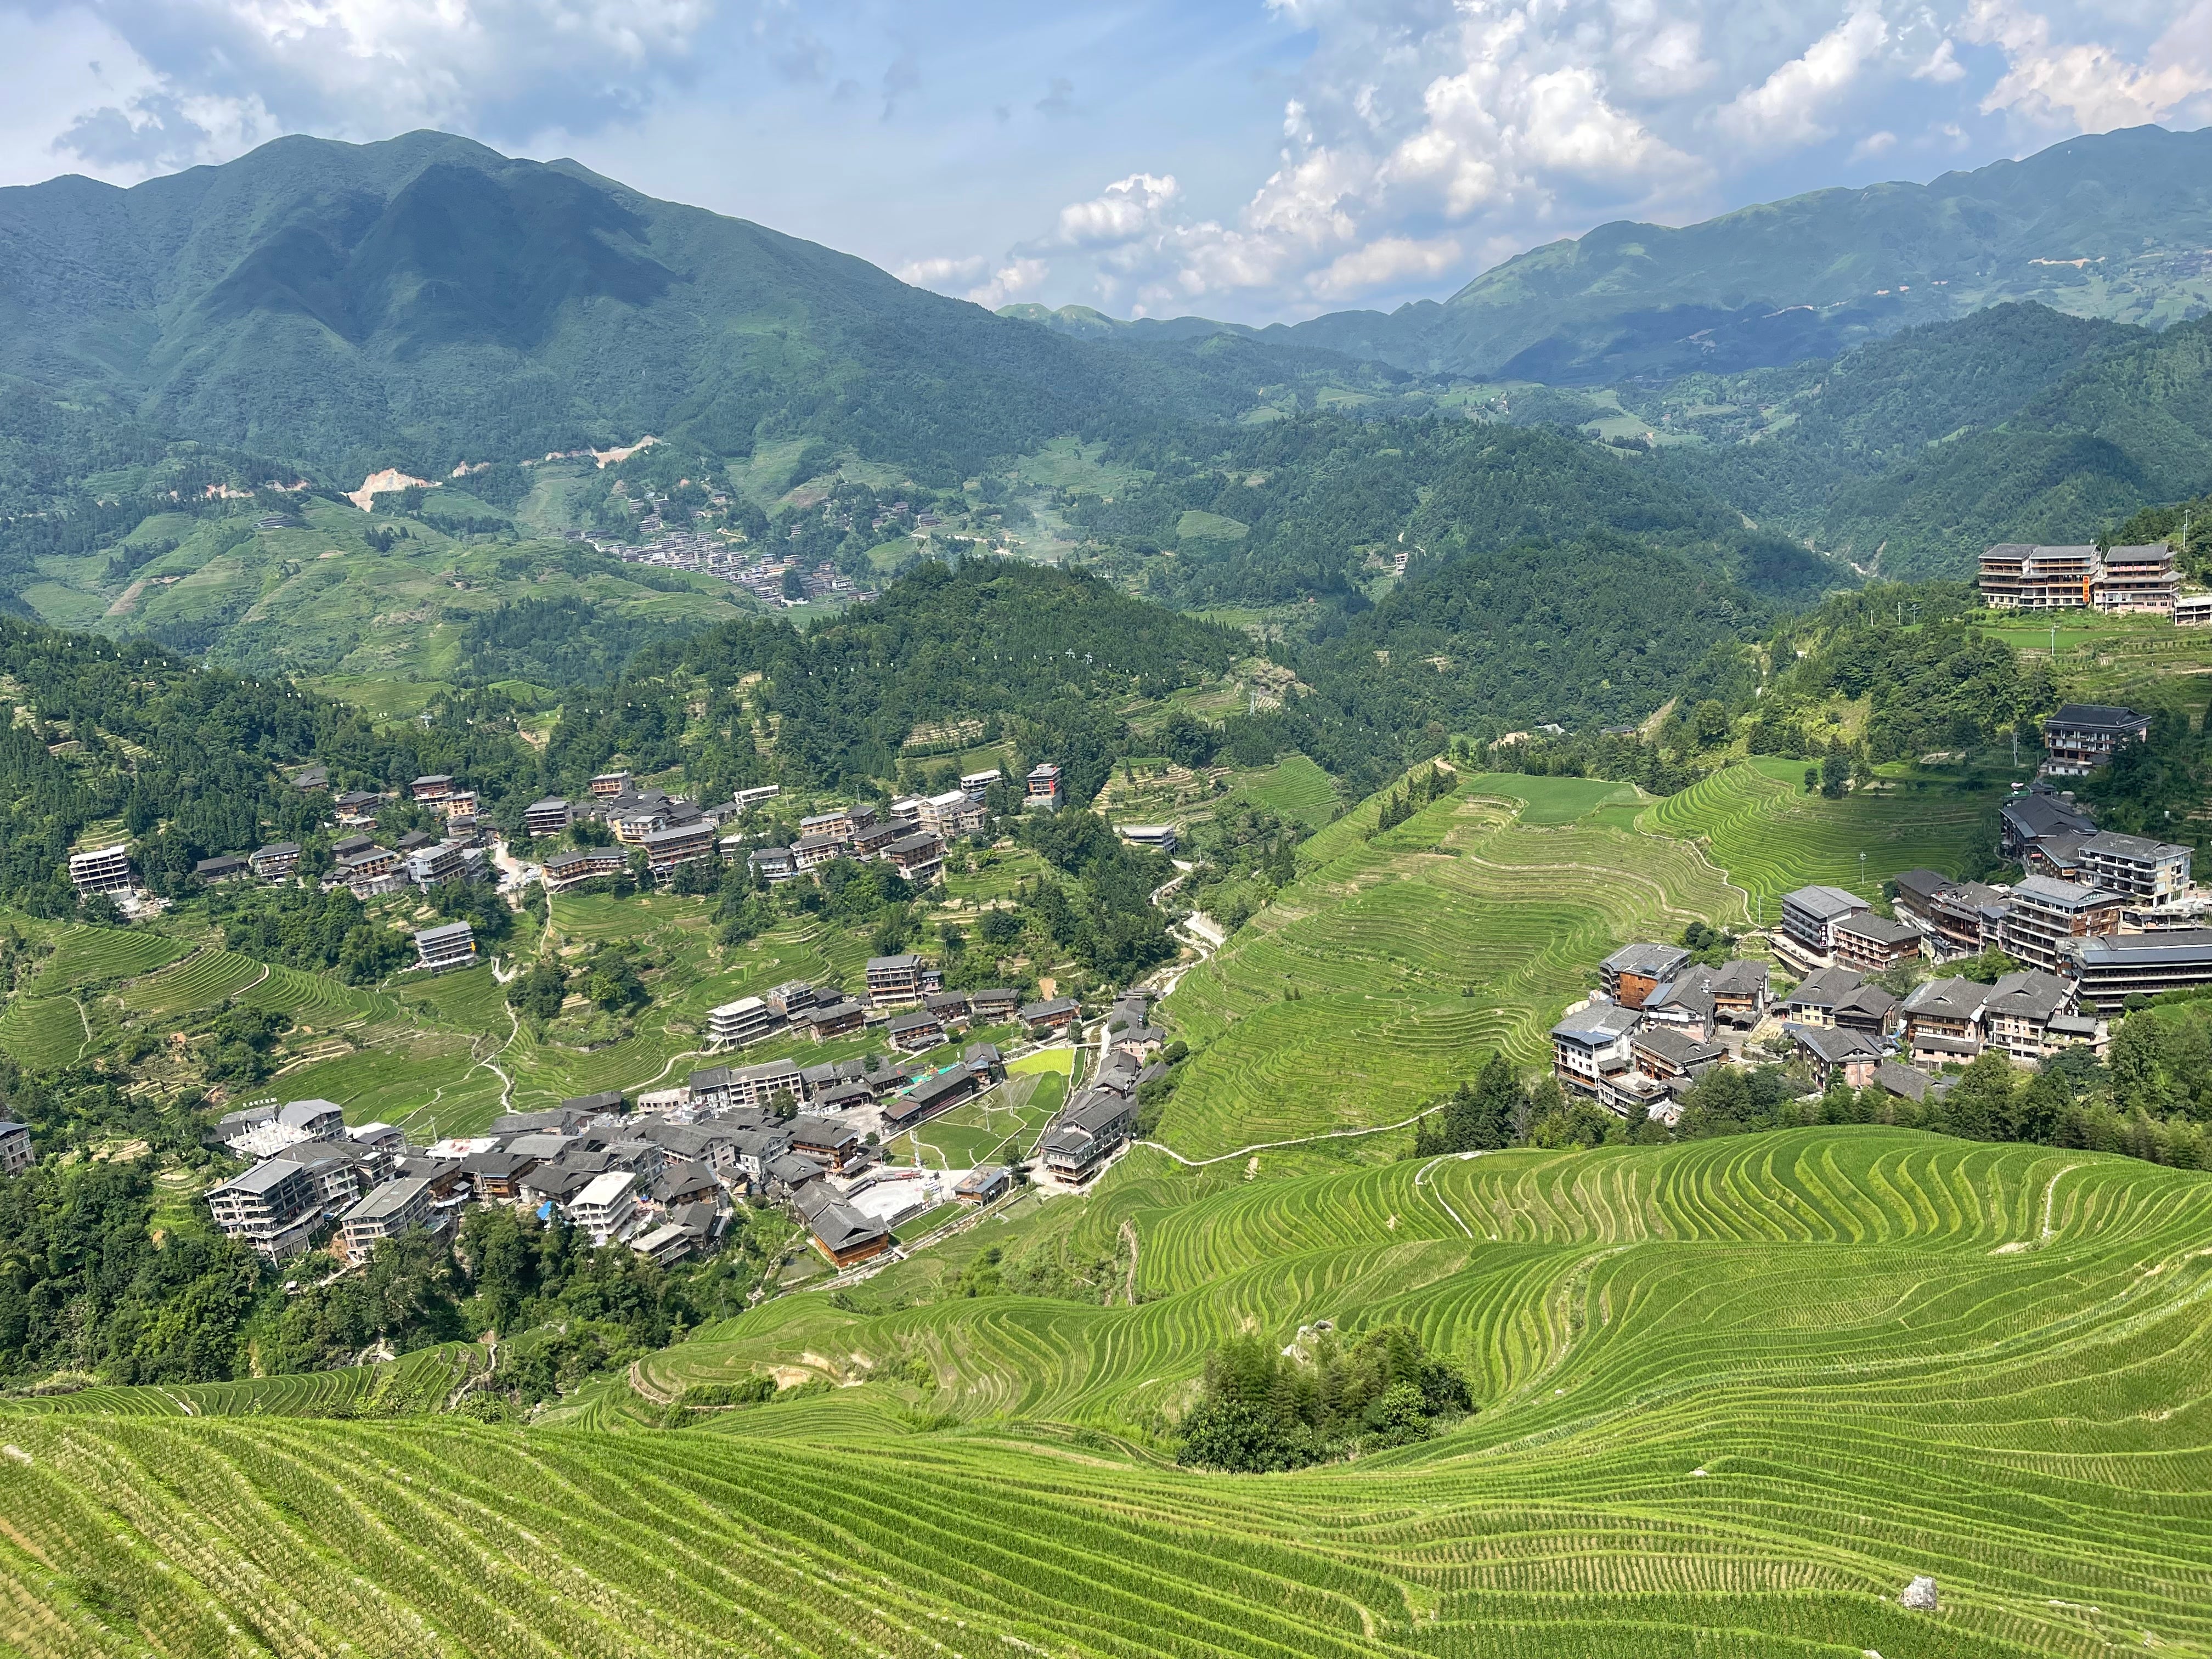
{"x":1303,"y":1140}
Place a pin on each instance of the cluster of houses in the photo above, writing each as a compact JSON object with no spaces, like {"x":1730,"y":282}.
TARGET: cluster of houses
{"x":668,"y":831}
{"x":662,"y":1174}
{"x":2099,"y":917}
{"x":737,"y":564}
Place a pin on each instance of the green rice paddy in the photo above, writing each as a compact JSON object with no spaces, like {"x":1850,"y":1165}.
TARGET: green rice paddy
{"x":1733,"y":1397}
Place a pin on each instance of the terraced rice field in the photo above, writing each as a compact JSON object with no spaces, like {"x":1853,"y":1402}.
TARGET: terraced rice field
{"x":85,"y":953}
{"x":1733,"y":1397}
{"x":1379,"y":980}
{"x":43,"y":1032}
{"x":200,"y":982}
{"x":1758,"y":823}
{"x":1293,"y":787}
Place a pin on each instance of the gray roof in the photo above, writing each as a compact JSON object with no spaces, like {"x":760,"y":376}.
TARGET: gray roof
{"x":452,"y":930}
{"x":1833,"y":1043}
{"x":1826,"y":988}
{"x":2037,"y":814}
{"x":887,"y":964}
{"x":299,"y":1114}
{"x":1866,"y":999}
{"x":1826,"y":902}
{"x":2094,"y":716}
{"x":1650,"y":961}
{"x":2113,"y":844}
{"x":2061,"y":895}
{"x":1036,"y":1011}
{"x":2147,"y":950}
{"x":262,"y":1177}
{"x":2032,"y":995}
{"x":1901,"y":1079}
{"x":1678,"y":1048}
{"x":1602,"y":1021}
{"x":1882,"y":930}
{"x":917,"y":1021}
{"x":1947,"y":998}
{"x":390,"y":1199}
{"x":1922,"y":883}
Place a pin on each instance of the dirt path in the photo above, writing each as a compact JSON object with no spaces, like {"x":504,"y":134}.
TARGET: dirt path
{"x":1129,"y":1236}
{"x":1421,"y":1179}
{"x":1303,"y":1140}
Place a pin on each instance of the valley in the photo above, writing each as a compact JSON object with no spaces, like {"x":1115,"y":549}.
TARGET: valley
{"x":703,"y":954}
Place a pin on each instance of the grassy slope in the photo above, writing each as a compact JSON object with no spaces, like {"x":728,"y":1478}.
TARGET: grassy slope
{"x":322,"y":599}
{"x":1516,"y":887}
{"x":1733,"y":1395}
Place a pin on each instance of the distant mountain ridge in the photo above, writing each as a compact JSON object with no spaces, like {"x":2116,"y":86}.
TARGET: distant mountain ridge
{"x":2115,"y":225}
{"x":426,"y":301}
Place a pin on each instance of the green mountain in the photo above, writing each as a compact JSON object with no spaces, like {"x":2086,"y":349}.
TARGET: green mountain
{"x":426,"y":302}
{"x":2112,"y":225}
{"x":1912,"y":454}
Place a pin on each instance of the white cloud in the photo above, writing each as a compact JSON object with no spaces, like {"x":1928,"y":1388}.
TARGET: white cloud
{"x":223,"y":75}
{"x":1875,"y":143}
{"x":1017,"y":279}
{"x":1119,"y":214}
{"x":2086,"y":87}
{"x":943,"y":274}
{"x":1788,"y":107}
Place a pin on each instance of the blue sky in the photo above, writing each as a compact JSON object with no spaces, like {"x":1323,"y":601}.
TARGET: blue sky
{"x":1251,"y":159}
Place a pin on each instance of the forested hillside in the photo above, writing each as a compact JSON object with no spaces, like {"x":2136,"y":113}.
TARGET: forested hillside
{"x":425,"y":302}
{"x":992,"y":651}
{"x":1912,"y":454}
{"x":1312,"y":506}
{"x":2107,"y":225}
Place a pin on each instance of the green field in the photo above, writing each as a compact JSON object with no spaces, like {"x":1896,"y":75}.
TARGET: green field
{"x":1732,"y":1396}
{"x":1756,"y":822}
{"x":1375,"y":981}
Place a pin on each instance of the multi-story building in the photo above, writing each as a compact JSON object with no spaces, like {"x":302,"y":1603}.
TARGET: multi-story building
{"x":1809,"y":917}
{"x":228,"y":866}
{"x":2147,"y":874}
{"x":1589,"y":1046}
{"x":436,"y":785}
{"x":1871,"y":943}
{"x":2021,"y":1010}
{"x":549,"y":816}
{"x":811,"y":852}
{"x":951,"y":814}
{"x":746,"y":799}
{"x":610,"y":784}
{"x":736,"y":1023}
{"x":1044,"y":789}
{"x":837,"y":824}
{"x":1160,"y":837}
{"x":273,"y":1207}
{"x":893,"y":981}
{"x":453,"y":945}
{"x":439,"y":861}
{"x":273,"y":862}
{"x":1943,"y":1020}
{"x":2047,"y":912}
{"x":572,"y":869}
{"x":102,"y":869}
{"x":606,"y":1208}
{"x":2016,"y":576}
{"x":776,"y":865}
{"x":1633,"y":972}
{"x":683,"y":843}
{"x":919,"y":858}
{"x":2139,"y":581}
{"x":387,"y":1212}
{"x":2114,"y":967}
{"x":975,"y":785}
{"x":2081,"y":737}
{"x":15,"y":1153}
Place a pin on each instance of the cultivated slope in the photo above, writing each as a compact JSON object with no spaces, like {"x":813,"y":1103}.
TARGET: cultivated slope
{"x":1733,"y":1395}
